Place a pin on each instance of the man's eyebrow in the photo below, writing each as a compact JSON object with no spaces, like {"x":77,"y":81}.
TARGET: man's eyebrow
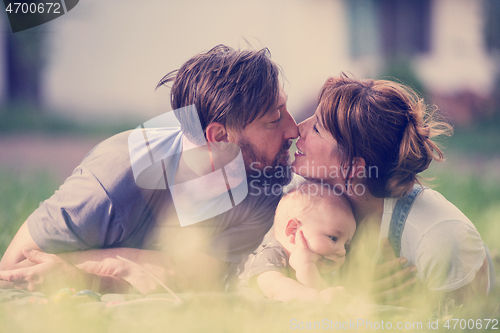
{"x":283,"y":104}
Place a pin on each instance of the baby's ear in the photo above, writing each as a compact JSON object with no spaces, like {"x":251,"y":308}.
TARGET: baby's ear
{"x":292,"y":226}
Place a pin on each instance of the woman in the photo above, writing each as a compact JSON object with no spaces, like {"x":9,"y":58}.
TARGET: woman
{"x":370,"y":139}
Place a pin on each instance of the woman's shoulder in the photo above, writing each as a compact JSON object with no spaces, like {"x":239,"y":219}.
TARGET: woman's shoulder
{"x":434,"y":219}
{"x":431,"y":208}
{"x":442,"y":242}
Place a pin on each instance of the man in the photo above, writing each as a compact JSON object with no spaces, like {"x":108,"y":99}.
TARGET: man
{"x":101,"y":214}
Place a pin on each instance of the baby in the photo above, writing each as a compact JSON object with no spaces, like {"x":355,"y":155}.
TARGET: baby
{"x":312,"y":232}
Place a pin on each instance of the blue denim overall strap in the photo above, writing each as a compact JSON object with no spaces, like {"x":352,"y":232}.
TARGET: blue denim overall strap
{"x":491,"y":270}
{"x":399,"y":216}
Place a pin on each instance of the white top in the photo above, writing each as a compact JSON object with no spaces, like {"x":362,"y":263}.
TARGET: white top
{"x":439,"y":239}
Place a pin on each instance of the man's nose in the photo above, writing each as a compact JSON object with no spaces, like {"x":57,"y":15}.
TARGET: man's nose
{"x":292,"y":131}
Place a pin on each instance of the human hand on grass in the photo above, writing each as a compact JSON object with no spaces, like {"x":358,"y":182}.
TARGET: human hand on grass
{"x":48,"y":273}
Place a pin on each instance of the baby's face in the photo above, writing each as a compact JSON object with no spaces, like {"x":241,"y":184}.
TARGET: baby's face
{"x":328,"y":230}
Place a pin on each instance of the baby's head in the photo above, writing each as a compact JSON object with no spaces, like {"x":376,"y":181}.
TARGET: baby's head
{"x":325,"y":219}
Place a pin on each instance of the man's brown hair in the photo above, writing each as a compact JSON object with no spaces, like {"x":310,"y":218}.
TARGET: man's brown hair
{"x":232,"y":87}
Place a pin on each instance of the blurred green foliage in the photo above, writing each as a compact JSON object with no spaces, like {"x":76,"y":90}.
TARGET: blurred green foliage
{"x":28,"y":119}
{"x":400,"y":69}
{"x":480,"y":138}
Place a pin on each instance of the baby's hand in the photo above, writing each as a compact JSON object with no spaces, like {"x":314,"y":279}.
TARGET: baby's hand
{"x":302,"y":255}
{"x":333,"y":293}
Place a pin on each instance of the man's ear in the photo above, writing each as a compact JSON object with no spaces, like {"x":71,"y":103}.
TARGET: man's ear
{"x":291,"y":229}
{"x":216,"y":132}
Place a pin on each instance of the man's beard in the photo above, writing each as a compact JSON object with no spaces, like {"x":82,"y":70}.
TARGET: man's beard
{"x":263,"y":173}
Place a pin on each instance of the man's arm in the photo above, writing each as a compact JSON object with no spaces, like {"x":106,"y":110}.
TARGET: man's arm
{"x":192,"y":270}
{"x":101,"y":270}
{"x":14,"y":257}
{"x":49,"y":273}
{"x":38,"y":270}
{"x":24,"y":265}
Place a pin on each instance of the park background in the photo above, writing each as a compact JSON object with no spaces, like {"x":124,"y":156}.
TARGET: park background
{"x":70,"y":83}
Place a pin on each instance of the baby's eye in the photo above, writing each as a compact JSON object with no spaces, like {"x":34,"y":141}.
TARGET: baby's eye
{"x":333,"y":238}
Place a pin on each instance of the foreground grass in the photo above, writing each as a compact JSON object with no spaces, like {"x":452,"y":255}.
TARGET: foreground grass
{"x":230,"y":313}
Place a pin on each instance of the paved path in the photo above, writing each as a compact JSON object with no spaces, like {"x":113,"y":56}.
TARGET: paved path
{"x":58,"y":153}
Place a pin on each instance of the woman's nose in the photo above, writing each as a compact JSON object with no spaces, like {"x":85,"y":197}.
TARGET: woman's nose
{"x":302,"y":128}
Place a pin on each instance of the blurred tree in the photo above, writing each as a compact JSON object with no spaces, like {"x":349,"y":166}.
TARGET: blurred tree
{"x":492,"y":24}
{"x":405,"y":27}
{"x":492,"y":36}
{"x":23,"y":67}
{"x":400,"y":69}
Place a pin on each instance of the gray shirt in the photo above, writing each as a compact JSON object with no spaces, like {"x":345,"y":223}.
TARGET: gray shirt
{"x":101,"y":206}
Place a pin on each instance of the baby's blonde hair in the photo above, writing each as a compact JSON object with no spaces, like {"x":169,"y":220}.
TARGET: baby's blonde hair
{"x":301,"y":200}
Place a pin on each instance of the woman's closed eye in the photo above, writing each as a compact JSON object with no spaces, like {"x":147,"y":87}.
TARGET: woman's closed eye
{"x":315,"y":128}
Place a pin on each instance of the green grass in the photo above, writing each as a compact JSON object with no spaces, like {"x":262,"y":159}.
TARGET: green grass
{"x":20,"y":195}
{"x":482,"y":138}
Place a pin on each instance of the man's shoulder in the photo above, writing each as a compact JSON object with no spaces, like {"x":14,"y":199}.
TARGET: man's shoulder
{"x":107,"y":151}
{"x":111,"y":164}
{"x":259,"y":201}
